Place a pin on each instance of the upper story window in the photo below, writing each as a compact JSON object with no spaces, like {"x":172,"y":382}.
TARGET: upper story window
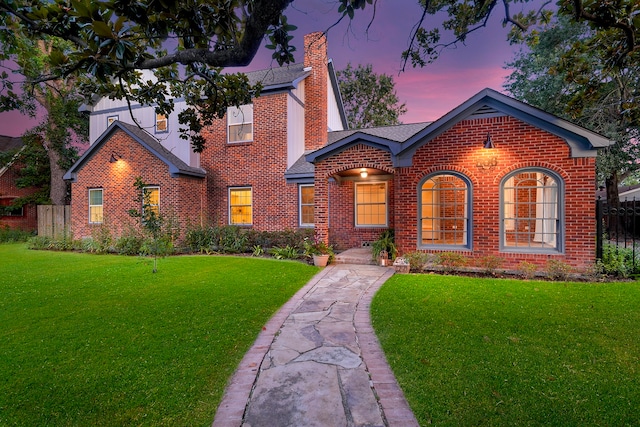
{"x":531,"y":214}
{"x":240,"y":123}
{"x":444,"y":210}
{"x":162,"y":124}
{"x":95,"y":206}
{"x":306,"y":198}
{"x":371,"y":204}
{"x":111,"y":119}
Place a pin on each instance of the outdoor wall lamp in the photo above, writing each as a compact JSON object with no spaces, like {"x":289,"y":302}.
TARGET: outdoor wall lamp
{"x":363,"y":173}
{"x":488,"y":144}
{"x":488,"y":161}
{"x":114,"y":157}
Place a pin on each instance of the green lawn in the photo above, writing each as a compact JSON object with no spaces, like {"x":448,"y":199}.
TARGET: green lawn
{"x":493,"y":352}
{"x":101,"y":341}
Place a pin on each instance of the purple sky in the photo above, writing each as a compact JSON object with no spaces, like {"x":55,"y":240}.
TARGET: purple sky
{"x":428,"y":92}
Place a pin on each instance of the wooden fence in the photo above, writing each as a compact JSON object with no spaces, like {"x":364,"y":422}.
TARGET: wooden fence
{"x":53,"y":220}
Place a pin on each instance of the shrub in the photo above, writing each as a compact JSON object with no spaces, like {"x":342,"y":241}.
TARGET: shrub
{"x":288,"y":252}
{"x":490,"y":263}
{"x":385,"y":242}
{"x":617,"y":261}
{"x":558,"y":270}
{"x":10,"y":235}
{"x":129,"y":243}
{"x":417,"y":260}
{"x":527,"y":269}
{"x":451,"y":261}
{"x":101,"y":240}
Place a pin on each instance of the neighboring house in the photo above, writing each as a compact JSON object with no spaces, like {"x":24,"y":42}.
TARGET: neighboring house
{"x":287,"y":161}
{"x":24,"y":218}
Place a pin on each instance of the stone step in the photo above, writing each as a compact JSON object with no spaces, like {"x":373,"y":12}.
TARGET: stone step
{"x":358,"y":256}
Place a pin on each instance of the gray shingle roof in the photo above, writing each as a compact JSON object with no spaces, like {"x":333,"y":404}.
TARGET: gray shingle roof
{"x":398,"y":133}
{"x":8,"y":143}
{"x":278,"y":77}
{"x":301,"y":166}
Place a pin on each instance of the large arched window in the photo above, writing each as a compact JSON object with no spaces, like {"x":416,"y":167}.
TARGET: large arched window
{"x":531,"y":214}
{"x":444,"y":200}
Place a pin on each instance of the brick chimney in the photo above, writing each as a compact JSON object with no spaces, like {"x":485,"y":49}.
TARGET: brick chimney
{"x":315,"y":116}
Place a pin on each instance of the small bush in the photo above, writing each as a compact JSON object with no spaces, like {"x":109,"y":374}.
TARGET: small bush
{"x":527,"y":270}
{"x":617,"y":261}
{"x":490,"y":263}
{"x":63,"y":243}
{"x":558,"y":270}
{"x":451,"y":261}
{"x":288,"y":252}
{"x":101,"y":239}
{"x":129,"y":243}
{"x":12,"y":235}
{"x":417,"y":260}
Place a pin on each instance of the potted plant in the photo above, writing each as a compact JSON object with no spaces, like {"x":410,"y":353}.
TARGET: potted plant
{"x":319,"y":251}
{"x":384,"y":248}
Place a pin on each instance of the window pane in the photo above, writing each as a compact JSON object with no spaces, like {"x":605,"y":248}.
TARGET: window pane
{"x":530,"y":211}
{"x":152,"y":199}
{"x":240,"y":206}
{"x":240,"y":123}
{"x":371,"y":204}
{"x":444,"y":211}
{"x":161,"y":123}
{"x":95,"y":197}
{"x":306,"y":204}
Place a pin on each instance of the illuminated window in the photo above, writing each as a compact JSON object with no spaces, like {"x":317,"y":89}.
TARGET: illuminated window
{"x":444,"y":211}
{"x":531,"y":211}
{"x":162,"y":124}
{"x":240,"y":206}
{"x":95,"y":206}
{"x":306,"y":205}
{"x":151,"y":202}
{"x":111,"y":119}
{"x":371,"y":204}
{"x":240,"y":123}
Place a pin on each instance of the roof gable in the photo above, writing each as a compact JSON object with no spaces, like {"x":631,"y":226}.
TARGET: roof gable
{"x":402,"y":143}
{"x":176,"y":166}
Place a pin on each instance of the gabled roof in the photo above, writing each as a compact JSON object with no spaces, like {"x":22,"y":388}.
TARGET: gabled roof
{"x":176,"y":166}
{"x":8,"y":143}
{"x":278,"y":78}
{"x":486,"y":103}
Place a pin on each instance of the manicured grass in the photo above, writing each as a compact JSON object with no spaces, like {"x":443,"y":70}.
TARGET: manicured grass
{"x":102,"y":341}
{"x":470,"y":351}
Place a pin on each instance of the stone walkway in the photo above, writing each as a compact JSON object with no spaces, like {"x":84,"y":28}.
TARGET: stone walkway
{"x":318,"y":363}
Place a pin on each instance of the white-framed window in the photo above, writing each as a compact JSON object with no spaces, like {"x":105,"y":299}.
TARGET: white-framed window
{"x":151,"y":200}
{"x":240,"y":206}
{"x":162,"y":123}
{"x":371,"y":204}
{"x":96,"y":210}
{"x":531,"y":214}
{"x":306,"y":201}
{"x":443,"y":210}
{"x":240,"y":123}
{"x":111,"y":119}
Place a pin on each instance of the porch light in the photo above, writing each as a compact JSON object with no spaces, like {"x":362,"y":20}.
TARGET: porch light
{"x":488,"y":144}
{"x":114,"y":157}
{"x":364,"y":173}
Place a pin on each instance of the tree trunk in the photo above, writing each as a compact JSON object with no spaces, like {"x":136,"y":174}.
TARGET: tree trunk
{"x":612,"y":182}
{"x":613,"y":200}
{"x":58,"y":185}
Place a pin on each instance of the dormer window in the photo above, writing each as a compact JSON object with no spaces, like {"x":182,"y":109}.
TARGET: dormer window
{"x":240,"y":123}
{"x":161,"y":123}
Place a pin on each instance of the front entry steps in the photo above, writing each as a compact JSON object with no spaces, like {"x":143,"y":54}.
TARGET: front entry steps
{"x":358,"y":256}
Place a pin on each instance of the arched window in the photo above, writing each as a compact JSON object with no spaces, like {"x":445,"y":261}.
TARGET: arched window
{"x":444,"y":200}
{"x":531,"y":213}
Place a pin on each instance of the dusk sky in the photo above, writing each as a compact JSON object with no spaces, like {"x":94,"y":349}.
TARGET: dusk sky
{"x":428,"y":92}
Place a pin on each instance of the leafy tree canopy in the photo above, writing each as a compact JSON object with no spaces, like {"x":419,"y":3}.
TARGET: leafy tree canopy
{"x":369,"y":99}
{"x":186,"y":43}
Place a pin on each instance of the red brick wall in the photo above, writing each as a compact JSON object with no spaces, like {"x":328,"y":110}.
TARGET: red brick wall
{"x":459,"y":149}
{"x":8,"y":190}
{"x":259,"y":164}
{"x":180,"y":196}
{"x":315,"y":45}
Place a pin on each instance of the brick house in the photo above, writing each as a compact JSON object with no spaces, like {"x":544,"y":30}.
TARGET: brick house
{"x":288,"y":161}
{"x":24,"y":218}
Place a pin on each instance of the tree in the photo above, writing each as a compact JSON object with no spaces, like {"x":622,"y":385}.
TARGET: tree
{"x":581,"y":86}
{"x":63,"y":123}
{"x":369,"y":99}
{"x":186,"y":44}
